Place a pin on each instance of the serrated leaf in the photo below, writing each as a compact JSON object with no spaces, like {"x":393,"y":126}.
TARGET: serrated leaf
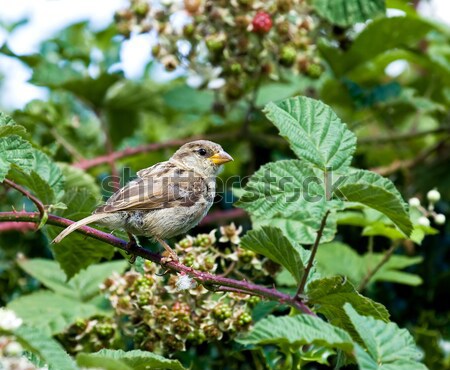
{"x":109,"y":359}
{"x":83,"y":287}
{"x":388,"y":346}
{"x":340,"y":259}
{"x":45,"y":347}
{"x":77,"y":252}
{"x":51,"y":312}
{"x":377,"y":192}
{"x":329,"y":296}
{"x":271,"y":243}
{"x":409,"y":31}
{"x":314,"y":132}
{"x":15,"y":151}
{"x":295,"y":331}
{"x":8,"y":127}
{"x":299,"y":226}
{"x":346,"y":13}
{"x":288,"y":195}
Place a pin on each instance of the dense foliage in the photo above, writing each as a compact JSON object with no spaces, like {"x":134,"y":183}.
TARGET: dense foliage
{"x":326,"y":246}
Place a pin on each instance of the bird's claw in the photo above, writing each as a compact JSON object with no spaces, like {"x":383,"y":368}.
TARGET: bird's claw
{"x":169,"y":257}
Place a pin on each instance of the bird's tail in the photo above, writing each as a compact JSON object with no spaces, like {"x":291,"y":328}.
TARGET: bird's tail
{"x":75,"y":226}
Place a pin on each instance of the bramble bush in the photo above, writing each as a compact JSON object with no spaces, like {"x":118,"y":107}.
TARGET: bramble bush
{"x":312,"y":259}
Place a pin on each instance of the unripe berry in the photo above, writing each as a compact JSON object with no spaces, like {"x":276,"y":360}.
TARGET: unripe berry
{"x":439,"y":219}
{"x":433,"y":196}
{"x":287,"y":56}
{"x":414,"y":202}
{"x":192,"y":5}
{"x":262,"y":23}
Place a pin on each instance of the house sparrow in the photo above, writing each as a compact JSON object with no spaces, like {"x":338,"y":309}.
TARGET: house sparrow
{"x":167,"y":199}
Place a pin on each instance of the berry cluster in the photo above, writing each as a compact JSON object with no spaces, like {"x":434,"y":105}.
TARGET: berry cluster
{"x":90,"y":335}
{"x":229,"y":46}
{"x":170,"y":313}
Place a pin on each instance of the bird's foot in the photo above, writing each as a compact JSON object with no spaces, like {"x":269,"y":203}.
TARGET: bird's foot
{"x":129,"y":248}
{"x":169,"y":256}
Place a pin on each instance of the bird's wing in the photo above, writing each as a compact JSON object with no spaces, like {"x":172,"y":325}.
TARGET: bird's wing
{"x":158,"y":187}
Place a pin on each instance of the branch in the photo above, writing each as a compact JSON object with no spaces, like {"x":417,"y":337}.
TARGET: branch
{"x":39,"y":205}
{"x":409,"y":163}
{"x":88,"y":163}
{"x":380,"y":264}
{"x":314,"y":248}
{"x":223,"y":216}
{"x":402,"y":137}
{"x":205,"y":278}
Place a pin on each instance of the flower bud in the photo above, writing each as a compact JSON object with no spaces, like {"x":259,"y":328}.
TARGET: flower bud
{"x":423,"y":221}
{"x":439,"y":219}
{"x":414,"y":202}
{"x":433,"y":196}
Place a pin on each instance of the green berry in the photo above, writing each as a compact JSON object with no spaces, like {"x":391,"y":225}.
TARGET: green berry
{"x":287,"y":56}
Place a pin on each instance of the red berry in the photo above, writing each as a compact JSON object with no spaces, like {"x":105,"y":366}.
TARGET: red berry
{"x":262,"y":22}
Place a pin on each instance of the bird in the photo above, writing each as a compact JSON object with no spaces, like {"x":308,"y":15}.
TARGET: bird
{"x":165,"y":200}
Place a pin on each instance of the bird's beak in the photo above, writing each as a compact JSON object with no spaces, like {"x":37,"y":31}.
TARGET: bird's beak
{"x":221,"y":157}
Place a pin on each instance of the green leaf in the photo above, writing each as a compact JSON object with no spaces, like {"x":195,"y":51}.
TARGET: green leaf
{"x":340,"y":259}
{"x":346,"y":13}
{"x":108,"y":359}
{"x":83,"y":287}
{"x":381,"y":35}
{"x":314,"y":132}
{"x":288,"y":195}
{"x":15,"y":151}
{"x":77,"y":252}
{"x":45,"y":347}
{"x":77,"y":179}
{"x":271,"y":243}
{"x":378,"y":193}
{"x":388,"y":347}
{"x":329,"y":296}
{"x":8,"y":127}
{"x":51,"y":312}
{"x":295,"y":331}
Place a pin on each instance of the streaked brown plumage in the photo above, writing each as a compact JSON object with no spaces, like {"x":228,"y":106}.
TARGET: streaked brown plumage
{"x":167,"y":199}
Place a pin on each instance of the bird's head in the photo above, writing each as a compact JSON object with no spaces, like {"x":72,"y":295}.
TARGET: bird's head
{"x":202,"y":156}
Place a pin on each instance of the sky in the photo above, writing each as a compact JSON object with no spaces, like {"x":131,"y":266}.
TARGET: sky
{"x":46,"y":17}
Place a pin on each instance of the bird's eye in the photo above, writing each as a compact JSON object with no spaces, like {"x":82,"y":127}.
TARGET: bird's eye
{"x":202,"y":151}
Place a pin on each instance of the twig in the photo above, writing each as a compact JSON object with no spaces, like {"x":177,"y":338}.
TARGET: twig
{"x":223,"y":216}
{"x":409,"y":163}
{"x":202,"y":277}
{"x":380,"y":264}
{"x":314,"y":248}
{"x":39,"y":205}
{"x":402,"y":137}
{"x":88,"y":163}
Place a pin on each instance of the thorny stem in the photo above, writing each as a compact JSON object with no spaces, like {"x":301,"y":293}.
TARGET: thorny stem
{"x":39,"y":205}
{"x":380,"y":264}
{"x":314,"y":248}
{"x":205,"y":278}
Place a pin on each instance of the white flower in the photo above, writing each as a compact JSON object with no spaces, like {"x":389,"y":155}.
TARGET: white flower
{"x":230,"y":234}
{"x":423,"y":221}
{"x":208,"y":77}
{"x":414,"y":202}
{"x":13,"y":349}
{"x":439,"y":219}
{"x":9,"y":320}
{"x":185,"y":282}
{"x":433,"y":196}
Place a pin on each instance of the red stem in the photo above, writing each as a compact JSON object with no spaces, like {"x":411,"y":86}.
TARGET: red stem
{"x":39,"y":205}
{"x":202,"y":277}
{"x":88,"y":163}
